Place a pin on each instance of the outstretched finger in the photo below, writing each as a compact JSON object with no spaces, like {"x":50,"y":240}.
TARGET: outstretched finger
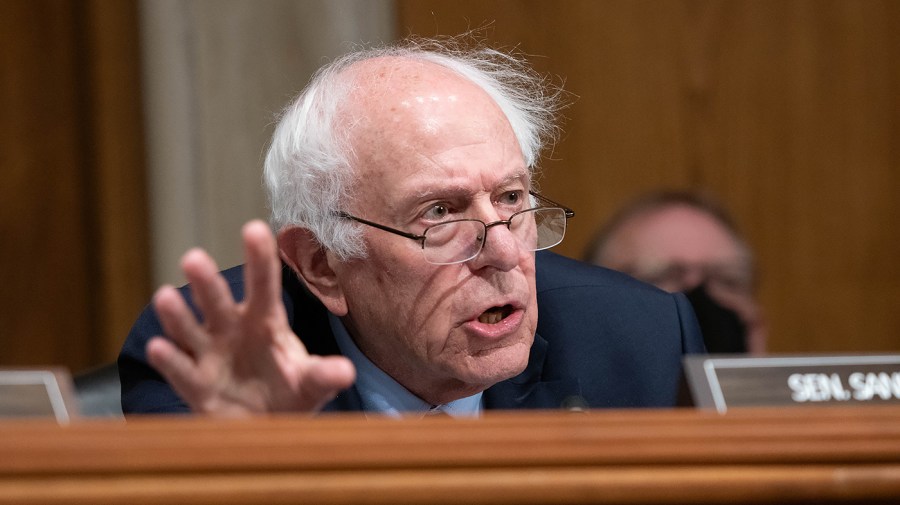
{"x":178,"y":320}
{"x":210,"y":290}
{"x":323,"y":378}
{"x":179,"y":370}
{"x":262,"y":271}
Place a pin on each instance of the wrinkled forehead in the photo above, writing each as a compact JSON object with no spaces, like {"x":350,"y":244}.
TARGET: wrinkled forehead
{"x":399,"y":107}
{"x":389,"y":92}
{"x":379,"y":83}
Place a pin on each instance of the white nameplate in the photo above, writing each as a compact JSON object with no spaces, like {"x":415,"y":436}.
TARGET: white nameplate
{"x":34,"y":392}
{"x":723,"y":381}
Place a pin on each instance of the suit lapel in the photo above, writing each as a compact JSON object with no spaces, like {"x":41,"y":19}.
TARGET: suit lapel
{"x":530,"y":389}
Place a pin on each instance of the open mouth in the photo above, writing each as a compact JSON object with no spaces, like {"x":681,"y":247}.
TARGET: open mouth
{"x":495,"y":314}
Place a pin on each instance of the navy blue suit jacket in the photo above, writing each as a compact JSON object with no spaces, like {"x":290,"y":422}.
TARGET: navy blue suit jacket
{"x":603,"y":340}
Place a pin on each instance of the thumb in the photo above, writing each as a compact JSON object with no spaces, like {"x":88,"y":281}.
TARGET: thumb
{"x":322,"y":379}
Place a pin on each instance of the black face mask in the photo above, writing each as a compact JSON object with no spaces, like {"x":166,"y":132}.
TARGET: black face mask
{"x":723,"y":331}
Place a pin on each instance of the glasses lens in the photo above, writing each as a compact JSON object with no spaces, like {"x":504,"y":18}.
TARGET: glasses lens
{"x":453,"y":242}
{"x":459,"y":241}
{"x":540,"y":228}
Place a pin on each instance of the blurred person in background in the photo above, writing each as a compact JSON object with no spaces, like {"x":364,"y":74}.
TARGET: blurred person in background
{"x":687,"y":242}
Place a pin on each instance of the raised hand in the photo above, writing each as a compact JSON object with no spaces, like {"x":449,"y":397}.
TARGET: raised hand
{"x":243,"y":358}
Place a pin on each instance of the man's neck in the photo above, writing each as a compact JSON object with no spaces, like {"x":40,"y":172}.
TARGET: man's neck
{"x":380,"y":392}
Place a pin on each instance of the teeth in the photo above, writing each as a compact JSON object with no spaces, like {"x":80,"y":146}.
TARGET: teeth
{"x":495,"y":315}
{"x":490,"y":318}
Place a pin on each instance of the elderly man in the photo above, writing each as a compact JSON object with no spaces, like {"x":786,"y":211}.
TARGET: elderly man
{"x":406,"y":224}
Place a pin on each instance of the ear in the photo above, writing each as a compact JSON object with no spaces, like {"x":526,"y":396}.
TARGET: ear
{"x":303,"y":253}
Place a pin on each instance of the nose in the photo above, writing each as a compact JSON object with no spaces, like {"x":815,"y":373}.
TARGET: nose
{"x":501,"y":248}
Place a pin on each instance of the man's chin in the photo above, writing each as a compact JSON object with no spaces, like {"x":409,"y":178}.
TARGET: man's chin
{"x":496,"y":365}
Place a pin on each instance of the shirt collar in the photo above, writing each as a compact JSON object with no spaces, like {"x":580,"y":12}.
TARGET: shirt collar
{"x":381,"y":393}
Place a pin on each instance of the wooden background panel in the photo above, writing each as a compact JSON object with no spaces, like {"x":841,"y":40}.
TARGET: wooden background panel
{"x":117,"y":187}
{"x":806,"y":102}
{"x":73,"y":248}
{"x":786,"y":110}
{"x":44,"y":288}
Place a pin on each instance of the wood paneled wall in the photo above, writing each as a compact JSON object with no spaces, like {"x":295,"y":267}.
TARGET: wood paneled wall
{"x":789,"y":111}
{"x":73,"y":239}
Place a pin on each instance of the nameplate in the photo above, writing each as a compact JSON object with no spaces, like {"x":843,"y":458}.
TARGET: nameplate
{"x":724,"y":381}
{"x":44,"y":392}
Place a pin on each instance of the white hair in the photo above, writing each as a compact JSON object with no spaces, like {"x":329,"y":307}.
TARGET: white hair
{"x":309,"y":166}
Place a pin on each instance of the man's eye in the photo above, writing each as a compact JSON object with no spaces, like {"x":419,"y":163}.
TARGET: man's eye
{"x":437,"y":212}
{"x":511,"y":197}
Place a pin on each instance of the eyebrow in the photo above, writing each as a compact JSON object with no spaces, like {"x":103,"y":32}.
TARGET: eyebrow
{"x":520,"y":176}
{"x":459,"y":190}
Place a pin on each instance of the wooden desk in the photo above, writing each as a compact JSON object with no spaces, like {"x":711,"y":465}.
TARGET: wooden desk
{"x":809,"y":455}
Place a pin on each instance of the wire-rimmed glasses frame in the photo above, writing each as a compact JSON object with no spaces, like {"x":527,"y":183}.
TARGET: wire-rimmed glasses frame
{"x":451,"y":242}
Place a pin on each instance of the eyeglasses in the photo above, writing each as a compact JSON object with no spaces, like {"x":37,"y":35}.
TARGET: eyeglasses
{"x":736,"y":278}
{"x":461,"y":240}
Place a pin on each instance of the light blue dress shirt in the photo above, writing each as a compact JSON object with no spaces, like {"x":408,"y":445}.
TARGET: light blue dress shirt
{"x":382,"y":394}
